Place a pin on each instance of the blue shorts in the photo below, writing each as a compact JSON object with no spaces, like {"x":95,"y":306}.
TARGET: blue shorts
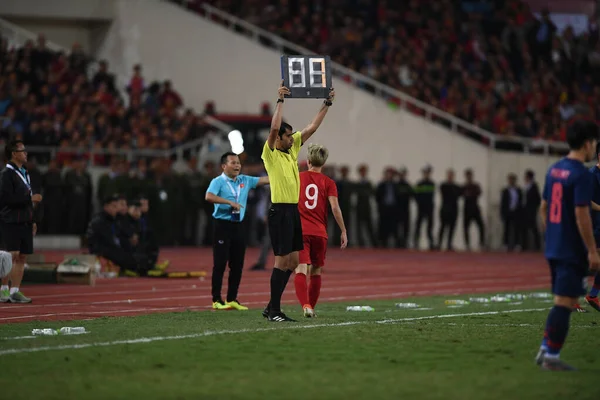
{"x":568,"y":279}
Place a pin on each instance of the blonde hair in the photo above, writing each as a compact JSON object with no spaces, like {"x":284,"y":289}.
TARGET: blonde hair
{"x":317,"y":154}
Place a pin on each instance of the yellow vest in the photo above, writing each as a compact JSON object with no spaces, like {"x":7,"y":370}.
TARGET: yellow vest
{"x":282,"y":168}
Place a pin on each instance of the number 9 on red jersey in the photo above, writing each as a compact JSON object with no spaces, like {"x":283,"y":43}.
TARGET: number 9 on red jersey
{"x":315,"y":190}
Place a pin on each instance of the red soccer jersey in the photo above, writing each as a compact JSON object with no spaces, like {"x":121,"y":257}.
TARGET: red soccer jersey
{"x":315,"y":189}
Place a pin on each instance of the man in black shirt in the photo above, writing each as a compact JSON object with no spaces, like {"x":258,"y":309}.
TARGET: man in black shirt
{"x":451,"y":192}
{"x":531,"y":205}
{"x":142,"y":242}
{"x":511,"y":211}
{"x":405,"y":193}
{"x":424,"y":192}
{"x":386,"y":195}
{"x":17,"y":225}
{"x":471,"y":210}
{"x":125,"y":231}
{"x":103,"y":237}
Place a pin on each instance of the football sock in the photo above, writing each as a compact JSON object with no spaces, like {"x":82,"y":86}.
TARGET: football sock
{"x":596,"y":287}
{"x":301,"y":289}
{"x":14,"y":290}
{"x":4,"y":287}
{"x":557,"y":327}
{"x":279,"y":279}
{"x":288,"y":273}
{"x":314,"y":290}
{"x":545,"y":342}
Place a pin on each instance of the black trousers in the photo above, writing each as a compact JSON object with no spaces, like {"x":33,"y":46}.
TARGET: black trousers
{"x":365,"y":223}
{"x":469,"y":216}
{"x":512,"y":230}
{"x":388,"y":225}
{"x":229,"y":247}
{"x":530,"y":226}
{"x":448,"y":224}
{"x":424,"y":215}
{"x":403,"y":231}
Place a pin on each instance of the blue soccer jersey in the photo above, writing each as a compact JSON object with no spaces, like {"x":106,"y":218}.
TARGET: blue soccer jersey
{"x":568,"y":184}
{"x":596,"y":199}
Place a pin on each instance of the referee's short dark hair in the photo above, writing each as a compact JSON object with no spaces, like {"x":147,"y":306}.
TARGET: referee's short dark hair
{"x":284,"y":128}
{"x":225,"y":155}
{"x":11,"y":147}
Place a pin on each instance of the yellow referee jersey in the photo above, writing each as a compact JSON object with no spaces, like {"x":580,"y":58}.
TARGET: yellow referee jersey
{"x":282,"y":168}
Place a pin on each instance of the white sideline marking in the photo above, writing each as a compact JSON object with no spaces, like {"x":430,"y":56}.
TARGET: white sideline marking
{"x":225,"y":332}
{"x":18,"y":338}
{"x":517,"y":325}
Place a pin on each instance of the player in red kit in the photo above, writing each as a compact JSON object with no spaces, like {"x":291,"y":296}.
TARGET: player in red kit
{"x":316,"y":191}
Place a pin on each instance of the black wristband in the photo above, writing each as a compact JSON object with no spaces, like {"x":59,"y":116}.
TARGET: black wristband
{"x":328,"y":103}
{"x":280,"y":100}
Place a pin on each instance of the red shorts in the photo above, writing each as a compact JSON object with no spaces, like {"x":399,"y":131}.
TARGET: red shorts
{"x":315,"y":249}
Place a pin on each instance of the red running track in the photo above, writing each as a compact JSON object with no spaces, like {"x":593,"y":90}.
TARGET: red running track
{"x":352,"y":274}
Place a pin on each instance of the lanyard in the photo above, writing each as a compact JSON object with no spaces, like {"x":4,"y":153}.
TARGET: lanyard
{"x":24,"y":178}
{"x":235,"y":194}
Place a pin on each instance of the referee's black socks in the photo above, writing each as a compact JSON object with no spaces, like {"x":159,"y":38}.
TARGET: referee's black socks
{"x":279,"y":280}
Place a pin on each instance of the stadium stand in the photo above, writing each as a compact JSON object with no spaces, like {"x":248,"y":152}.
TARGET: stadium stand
{"x":58,"y":101}
{"x":50,"y":98}
{"x":492,"y":64}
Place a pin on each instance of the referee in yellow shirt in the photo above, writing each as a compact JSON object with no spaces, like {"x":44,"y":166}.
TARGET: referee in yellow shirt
{"x":280,"y":156}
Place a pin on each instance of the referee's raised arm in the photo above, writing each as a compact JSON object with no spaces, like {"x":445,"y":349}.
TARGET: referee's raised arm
{"x":311,"y":128}
{"x":276,"y":120}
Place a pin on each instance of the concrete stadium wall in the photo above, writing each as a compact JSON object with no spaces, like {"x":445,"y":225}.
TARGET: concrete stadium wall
{"x":63,"y":22}
{"x":59,"y":9}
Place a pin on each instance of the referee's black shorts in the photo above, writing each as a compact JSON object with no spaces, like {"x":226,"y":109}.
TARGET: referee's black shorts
{"x":17,"y":237}
{"x":285,"y":228}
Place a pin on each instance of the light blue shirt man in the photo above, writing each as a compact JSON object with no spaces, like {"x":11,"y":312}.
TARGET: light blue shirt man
{"x":235,"y":191}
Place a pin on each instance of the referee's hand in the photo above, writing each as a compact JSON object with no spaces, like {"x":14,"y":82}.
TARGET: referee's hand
{"x":36,"y":198}
{"x":331,"y":96}
{"x":283,"y":91}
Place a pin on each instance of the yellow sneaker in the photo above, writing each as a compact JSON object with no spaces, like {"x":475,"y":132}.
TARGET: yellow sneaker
{"x":162,"y":265}
{"x":155,"y":273}
{"x":219,"y":305}
{"x":236,"y":305}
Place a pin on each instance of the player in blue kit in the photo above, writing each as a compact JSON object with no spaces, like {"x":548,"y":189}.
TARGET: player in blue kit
{"x":570,"y":246}
{"x":592,"y":297}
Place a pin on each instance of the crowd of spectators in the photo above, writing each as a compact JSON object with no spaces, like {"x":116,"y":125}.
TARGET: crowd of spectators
{"x":489,"y":62}
{"x":68,"y":101}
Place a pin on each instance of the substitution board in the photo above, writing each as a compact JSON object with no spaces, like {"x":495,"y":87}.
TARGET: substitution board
{"x":307,"y":77}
